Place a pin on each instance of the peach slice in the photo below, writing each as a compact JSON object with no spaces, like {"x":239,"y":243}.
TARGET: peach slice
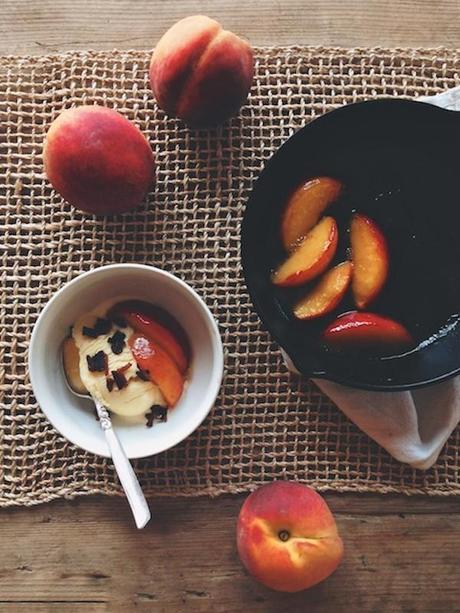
{"x":162,"y":369}
{"x":326,"y":294}
{"x":305,"y":207}
{"x":158,"y":326}
{"x":370,"y":260}
{"x":311,"y":257}
{"x":363,"y":330}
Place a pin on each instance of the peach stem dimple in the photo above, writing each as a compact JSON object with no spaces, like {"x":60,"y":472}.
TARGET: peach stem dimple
{"x":283,"y":535}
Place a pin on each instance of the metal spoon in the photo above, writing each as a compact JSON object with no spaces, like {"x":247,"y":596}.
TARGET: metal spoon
{"x":125,"y":472}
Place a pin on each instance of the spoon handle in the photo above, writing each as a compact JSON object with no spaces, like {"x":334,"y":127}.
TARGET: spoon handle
{"x":125,"y":472}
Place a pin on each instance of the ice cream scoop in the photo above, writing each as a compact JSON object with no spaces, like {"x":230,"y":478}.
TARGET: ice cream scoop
{"x":125,"y":472}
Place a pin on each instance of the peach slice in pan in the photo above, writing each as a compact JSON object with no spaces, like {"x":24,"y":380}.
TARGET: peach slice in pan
{"x":157,"y":325}
{"x":326,"y":294}
{"x":305,"y":207}
{"x":370,"y":260}
{"x":161,"y":368}
{"x":363,"y":330}
{"x":311,"y":257}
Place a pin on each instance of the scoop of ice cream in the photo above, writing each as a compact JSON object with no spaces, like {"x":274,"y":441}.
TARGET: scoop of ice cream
{"x":116,"y":383}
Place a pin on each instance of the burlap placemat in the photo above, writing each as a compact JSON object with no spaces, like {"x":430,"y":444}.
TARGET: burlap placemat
{"x":266,"y":424}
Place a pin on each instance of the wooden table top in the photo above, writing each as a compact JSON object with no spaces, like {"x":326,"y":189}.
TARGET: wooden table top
{"x":402,"y":554}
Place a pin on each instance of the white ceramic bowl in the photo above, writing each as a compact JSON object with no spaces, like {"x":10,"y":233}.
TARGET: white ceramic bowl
{"x":73,"y":416}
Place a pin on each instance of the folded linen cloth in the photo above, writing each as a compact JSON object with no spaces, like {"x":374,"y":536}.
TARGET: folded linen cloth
{"x":412,"y":426}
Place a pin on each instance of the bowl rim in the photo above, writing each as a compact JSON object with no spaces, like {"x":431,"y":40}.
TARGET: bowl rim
{"x":216,"y":340}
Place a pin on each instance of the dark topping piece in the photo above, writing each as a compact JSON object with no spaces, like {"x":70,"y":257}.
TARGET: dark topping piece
{"x":91,"y":332}
{"x":117,"y":342}
{"x":110,"y":383}
{"x":157,"y":414}
{"x":119,"y":377}
{"x":119,"y":321}
{"x":143,"y":374}
{"x":102,"y":326}
{"x":97,"y":362}
{"x":125,"y":367}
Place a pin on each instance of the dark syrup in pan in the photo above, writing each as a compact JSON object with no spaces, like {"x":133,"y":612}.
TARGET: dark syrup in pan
{"x":417,"y":207}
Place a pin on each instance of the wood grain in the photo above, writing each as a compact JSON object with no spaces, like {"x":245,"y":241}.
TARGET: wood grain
{"x":43,"y":26}
{"x":401,"y":555}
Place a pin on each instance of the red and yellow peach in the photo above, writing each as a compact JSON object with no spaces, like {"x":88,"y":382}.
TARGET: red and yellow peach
{"x":200,"y":72}
{"x":287,"y":537}
{"x":98,"y":160}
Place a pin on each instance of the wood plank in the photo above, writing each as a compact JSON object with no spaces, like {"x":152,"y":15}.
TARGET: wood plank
{"x":42,"y":26}
{"x":33,"y":606}
{"x":401,"y":554}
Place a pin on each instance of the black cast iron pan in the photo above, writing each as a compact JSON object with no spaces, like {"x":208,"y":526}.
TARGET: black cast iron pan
{"x":399,"y":162}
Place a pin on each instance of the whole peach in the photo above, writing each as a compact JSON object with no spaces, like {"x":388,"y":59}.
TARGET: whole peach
{"x":200,"y":72}
{"x":287,"y":537}
{"x":98,"y":160}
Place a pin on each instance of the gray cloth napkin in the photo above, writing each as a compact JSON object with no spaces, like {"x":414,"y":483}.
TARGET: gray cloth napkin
{"x":412,"y":426}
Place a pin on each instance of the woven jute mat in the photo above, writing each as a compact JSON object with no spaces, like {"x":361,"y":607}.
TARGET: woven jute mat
{"x":267,"y":424}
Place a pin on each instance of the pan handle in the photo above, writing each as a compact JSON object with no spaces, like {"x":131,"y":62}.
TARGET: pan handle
{"x":449,"y":100}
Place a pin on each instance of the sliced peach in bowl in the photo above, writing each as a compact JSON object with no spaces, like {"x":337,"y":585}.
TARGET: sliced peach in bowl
{"x":370,"y":259}
{"x":311,"y":257}
{"x":151,"y":358}
{"x":157,"y":325}
{"x":327,"y":293}
{"x":305,"y":207}
{"x":363,"y":330}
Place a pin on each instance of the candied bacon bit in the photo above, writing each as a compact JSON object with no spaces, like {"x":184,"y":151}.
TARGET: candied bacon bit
{"x":91,"y":332}
{"x":143,"y":374}
{"x":120,"y":379}
{"x":102,"y":326}
{"x":160,"y":412}
{"x":97,"y":362}
{"x":110,"y":383}
{"x":117,"y":342}
{"x":124,"y":368}
{"x":119,"y":321}
{"x":157,"y":414}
